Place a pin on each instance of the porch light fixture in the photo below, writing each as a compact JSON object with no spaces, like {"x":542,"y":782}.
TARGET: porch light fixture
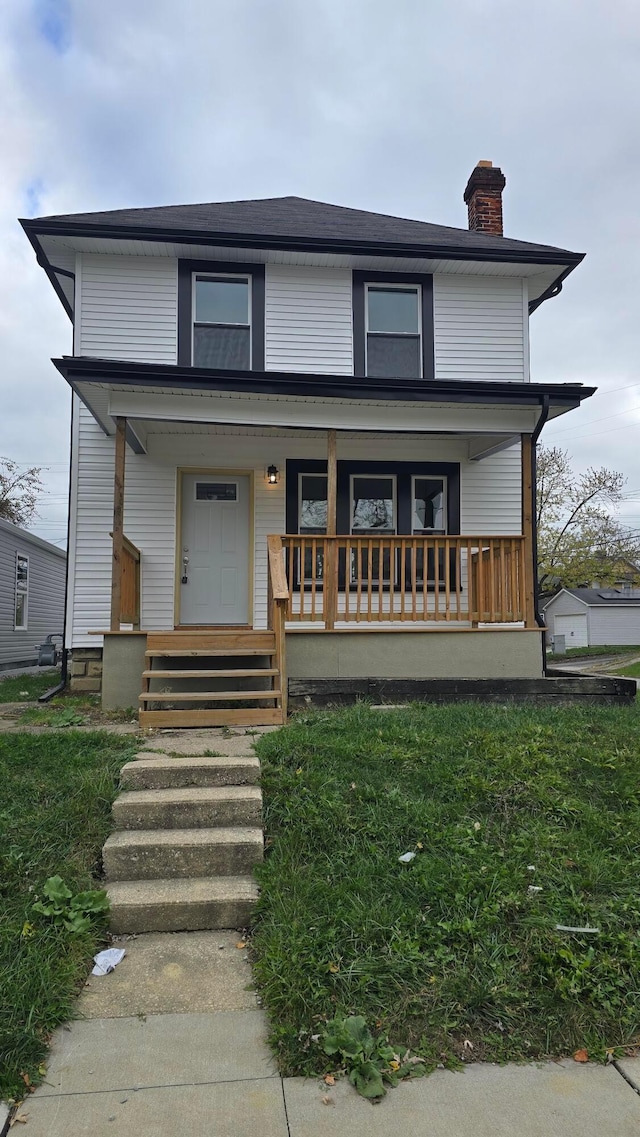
{"x":272,"y":475}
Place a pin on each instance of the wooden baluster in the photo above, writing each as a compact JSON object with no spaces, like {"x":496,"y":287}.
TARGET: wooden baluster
{"x":118,"y":523}
{"x":481,"y":582}
{"x":436,"y":578}
{"x":492,"y":583}
{"x":358,"y":569}
{"x":403,"y":576}
{"x":514,"y":607}
{"x":369,"y":579}
{"x":447,"y":578}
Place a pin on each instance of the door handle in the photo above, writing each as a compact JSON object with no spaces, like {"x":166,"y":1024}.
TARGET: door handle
{"x":185,"y":562}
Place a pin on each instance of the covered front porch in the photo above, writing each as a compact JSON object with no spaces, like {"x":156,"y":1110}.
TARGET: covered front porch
{"x":363,"y":538}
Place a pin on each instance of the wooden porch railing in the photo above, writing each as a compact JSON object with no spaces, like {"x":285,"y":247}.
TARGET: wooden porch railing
{"x":129,"y":584}
{"x":477,"y":580}
{"x":277,"y":606}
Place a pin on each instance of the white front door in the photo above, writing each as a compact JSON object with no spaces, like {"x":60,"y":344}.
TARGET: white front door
{"x":214,"y":554}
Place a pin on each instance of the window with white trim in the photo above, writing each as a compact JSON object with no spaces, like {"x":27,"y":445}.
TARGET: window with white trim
{"x":21,"y":593}
{"x":221,"y":321}
{"x":393,"y":331}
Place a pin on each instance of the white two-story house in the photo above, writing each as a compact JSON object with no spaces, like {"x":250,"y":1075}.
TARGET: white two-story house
{"x":303,"y":451}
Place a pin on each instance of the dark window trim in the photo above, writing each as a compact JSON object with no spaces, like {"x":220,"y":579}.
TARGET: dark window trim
{"x":403,"y":472}
{"x":425,"y":280}
{"x":186,"y":268}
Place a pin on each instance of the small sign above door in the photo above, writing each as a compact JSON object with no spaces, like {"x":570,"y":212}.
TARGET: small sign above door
{"x":216,"y":491}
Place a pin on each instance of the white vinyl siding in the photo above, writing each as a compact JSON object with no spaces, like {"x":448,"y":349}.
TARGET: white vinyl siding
{"x":308,"y":320}
{"x":490,"y":503}
{"x":564,"y":604}
{"x":128,"y":308}
{"x":480,"y":328}
{"x":491,"y":495}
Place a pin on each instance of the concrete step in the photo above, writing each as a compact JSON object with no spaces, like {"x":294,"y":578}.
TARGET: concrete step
{"x":150,"y":854}
{"x":192,"y":807}
{"x":177,"y":773}
{"x":181,"y":905}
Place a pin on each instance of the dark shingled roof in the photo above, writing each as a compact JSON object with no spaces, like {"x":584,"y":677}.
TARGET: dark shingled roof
{"x":601,"y":596}
{"x":303,"y":219}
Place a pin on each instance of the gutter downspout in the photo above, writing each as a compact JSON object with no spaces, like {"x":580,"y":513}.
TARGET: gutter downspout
{"x":64,"y":671}
{"x":544,"y":415}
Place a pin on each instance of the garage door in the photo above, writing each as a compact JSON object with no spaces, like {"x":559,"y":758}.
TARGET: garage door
{"x":573,"y":628}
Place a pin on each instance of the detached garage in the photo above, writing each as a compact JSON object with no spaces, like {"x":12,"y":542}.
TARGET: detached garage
{"x":587,"y":617}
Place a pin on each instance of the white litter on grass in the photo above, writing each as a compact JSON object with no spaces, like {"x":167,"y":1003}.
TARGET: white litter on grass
{"x":106,"y":960}
{"x":407,"y":857}
{"x":531,"y":868}
{"x":567,"y":928}
{"x":534,"y":888}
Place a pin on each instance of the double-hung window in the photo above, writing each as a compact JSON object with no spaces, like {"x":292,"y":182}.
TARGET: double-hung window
{"x":312,"y":520}
{"x":222,"y":321}
{"x":393,"y":331}
{"x":21,"y":593}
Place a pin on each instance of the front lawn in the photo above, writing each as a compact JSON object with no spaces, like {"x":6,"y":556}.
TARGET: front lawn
{"x":54,"y":818}
{"x":27,"y":688}
{"x":521,"y":818}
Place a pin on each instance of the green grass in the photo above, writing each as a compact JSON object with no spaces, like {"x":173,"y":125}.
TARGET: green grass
{"x":26,"y":688}
{"x":592,"y":652}
{"x":54,"y":818}
{"x":633,"y":670}
{"x":452,"y":946}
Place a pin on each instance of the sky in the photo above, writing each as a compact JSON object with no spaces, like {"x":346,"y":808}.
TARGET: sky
{"x":384,"y":105}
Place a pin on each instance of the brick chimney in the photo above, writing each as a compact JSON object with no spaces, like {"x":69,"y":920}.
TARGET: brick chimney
{"x":483,"y":197}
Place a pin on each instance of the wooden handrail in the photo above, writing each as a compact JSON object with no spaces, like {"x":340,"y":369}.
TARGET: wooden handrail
{"x":277,"y":574}
{"x":129,"y":584}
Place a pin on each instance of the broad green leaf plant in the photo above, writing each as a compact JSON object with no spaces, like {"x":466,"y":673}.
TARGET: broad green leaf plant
{"x":71,"y":912}
{"x":372,"y":1063}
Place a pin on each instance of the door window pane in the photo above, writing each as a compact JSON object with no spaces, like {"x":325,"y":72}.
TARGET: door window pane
{"x":216,"y":491}
{"x":393,"y":310}
{"x":222,"y":301}
{"x":313,"y":503}
{"x":373,"y":506}
{"x":428,"y":505}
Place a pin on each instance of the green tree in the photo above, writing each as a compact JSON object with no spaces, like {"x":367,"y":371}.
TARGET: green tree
{"x":19,"y":491}
{"x":580,"y":539}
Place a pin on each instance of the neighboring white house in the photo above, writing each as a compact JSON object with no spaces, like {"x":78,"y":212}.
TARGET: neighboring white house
{"x":587,"y":617}
{"x":32,"y":582}
{"x":319,"y":426}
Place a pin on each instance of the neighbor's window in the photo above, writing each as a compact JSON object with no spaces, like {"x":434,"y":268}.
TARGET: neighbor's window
{"x":22,"y":592}
{"x":393,"y":332}
{"x":222,"y":322}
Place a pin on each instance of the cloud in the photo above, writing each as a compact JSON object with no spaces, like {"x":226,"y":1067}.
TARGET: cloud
{"x":379,"y":106}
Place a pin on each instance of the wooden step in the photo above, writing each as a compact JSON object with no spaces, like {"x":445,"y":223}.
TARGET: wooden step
{"x":221,"y":716}
{"x":230,"y":641}
{"x":222,"y":673}
{"x":209,"y":653}
{"x":206,"y":696}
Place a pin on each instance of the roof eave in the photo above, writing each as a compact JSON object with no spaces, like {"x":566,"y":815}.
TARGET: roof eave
{"x":546,"y":256}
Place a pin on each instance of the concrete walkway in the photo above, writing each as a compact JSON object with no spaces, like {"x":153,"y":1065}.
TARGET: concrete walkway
{"x":173,"y":1042}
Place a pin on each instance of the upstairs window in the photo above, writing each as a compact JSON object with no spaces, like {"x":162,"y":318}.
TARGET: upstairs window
{"x":21,"y":593}
{"x":222,"y":322}
{"x":393,"y":332}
